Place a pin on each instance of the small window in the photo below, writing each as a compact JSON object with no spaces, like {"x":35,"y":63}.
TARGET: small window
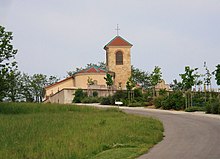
{"x":119,"y":58}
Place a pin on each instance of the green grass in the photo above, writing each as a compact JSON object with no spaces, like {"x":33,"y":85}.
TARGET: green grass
{"x":43,"y":131}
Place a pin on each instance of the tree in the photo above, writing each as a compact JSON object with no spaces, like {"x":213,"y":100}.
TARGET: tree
{"x":155,"y":77}
{"x":38,"y":82}
{"x":207,"y":77}
{"x":52,"y":79}
{"x":141,"y":78}
{"x":7,"y":56}
{"x":109,"y":81}
{"x":217,"y":74}
{"x":176,"y":86}
{"x":14,"y":86}
{"x":188,"y":81}
{"x":27,"y":90}
{"x":130,"y":84}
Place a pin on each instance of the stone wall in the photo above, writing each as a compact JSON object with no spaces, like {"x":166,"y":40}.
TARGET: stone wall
{"x":122,"y":72}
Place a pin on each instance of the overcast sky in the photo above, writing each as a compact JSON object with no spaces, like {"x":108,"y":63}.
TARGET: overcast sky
{"x":55,"y":36}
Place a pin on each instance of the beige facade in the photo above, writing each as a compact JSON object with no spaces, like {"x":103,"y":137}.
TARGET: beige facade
{"x":118,"y":66}
{"x":81,"y":79}
{"x":54,"y":88}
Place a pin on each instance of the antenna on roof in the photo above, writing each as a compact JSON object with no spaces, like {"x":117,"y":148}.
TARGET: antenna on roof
{"x":117,"y":29}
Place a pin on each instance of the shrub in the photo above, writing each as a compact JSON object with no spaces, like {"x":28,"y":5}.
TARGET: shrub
{"x":119,"y":95}
{"x":95,"y":94}
{"x":79,"y":95}
{"x":136,"y":104}
{"x":158,"y":101}
{"x":107,"y":100}
{"x":194,"y":108}
{"x":90,"y":100}
{"x":208,"y":108}
{"x":138,"y":92}
{"x":213,"y":107}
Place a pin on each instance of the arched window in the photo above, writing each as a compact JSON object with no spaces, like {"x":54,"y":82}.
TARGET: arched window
{"x":119,"y":58}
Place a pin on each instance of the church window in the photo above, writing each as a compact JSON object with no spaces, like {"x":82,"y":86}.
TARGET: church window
{"x":119,"y":58}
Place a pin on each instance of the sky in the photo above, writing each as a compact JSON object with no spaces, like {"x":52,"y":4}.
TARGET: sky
{"x":54,"y":36}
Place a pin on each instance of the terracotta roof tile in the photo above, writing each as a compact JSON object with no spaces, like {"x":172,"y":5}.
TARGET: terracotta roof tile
{"x":118,"y":41}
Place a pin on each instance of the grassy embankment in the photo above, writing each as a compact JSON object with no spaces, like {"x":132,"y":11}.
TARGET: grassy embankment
{"x":68,"y":132}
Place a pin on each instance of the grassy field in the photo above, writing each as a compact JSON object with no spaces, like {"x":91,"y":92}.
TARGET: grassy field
{"x":35,"y":131}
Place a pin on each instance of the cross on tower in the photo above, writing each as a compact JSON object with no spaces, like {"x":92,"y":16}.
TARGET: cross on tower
{"x":117,"y":30}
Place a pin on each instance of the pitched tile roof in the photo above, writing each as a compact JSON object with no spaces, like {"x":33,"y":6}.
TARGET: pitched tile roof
{"x":118,"y":41}
{"x":93,"y":69}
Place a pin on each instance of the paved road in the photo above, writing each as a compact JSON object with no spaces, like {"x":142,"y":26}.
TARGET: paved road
{"x":187,"y":136}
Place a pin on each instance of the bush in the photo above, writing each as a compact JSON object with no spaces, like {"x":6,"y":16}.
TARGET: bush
{"x":208,"y":108}
{"x":119,"y":95}
{"x":79,"y":95}
{"x":194,"y":109}
{"x":138,"y":92}
{"x":213,"y":107}
{"x":158,"y":101}
{"x":107,"y":101}
{"x":174,"y":101}
{"x":90,"y":100}
{"x":136,"y":104}
{"x":95,"y":94}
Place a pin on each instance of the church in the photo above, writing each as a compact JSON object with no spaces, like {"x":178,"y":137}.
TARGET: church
{"x":118,"y":65}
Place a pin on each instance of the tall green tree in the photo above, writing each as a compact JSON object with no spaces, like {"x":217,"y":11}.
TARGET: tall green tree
{"x":14,"y":86}
{"x":217,"y":74}
{"x":38,"y":82}
{"x":7,"y":59}
{"x":188,"y":81}
{"x":109,"y":81}
{"x":155,"y":78}
{"x":140,"y":77}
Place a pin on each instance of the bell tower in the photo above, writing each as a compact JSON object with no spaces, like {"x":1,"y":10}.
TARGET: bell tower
{"x":118,"y":60}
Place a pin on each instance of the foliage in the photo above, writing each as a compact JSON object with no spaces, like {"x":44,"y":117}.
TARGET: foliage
{"x":130,"y":84}
{"x":158,"y":101}
{"x":90,"y":81}
{"x":90,"y":100}
{"x":189,"y":77}
{"x":194,"y":109}
{"x":136,"y":104}
{"x":109,"y":80}
{"x":67,"y":131}
{"x":79,"y":95}
{"x":95,"y":94}
{"x":217,"y":74}
{"x":177,"y":86}
{"x":7,"y":60}
{"x":38,"y":82}
{"x":107,"y":101}
{"x":155,"y":77}
{"x":174,"y":100}
{"x":140,"y":77}
{"x":52,"y":79}
{"x":163,"y":92}
{"x":207,"y":76}
{"x":213,"y":106}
